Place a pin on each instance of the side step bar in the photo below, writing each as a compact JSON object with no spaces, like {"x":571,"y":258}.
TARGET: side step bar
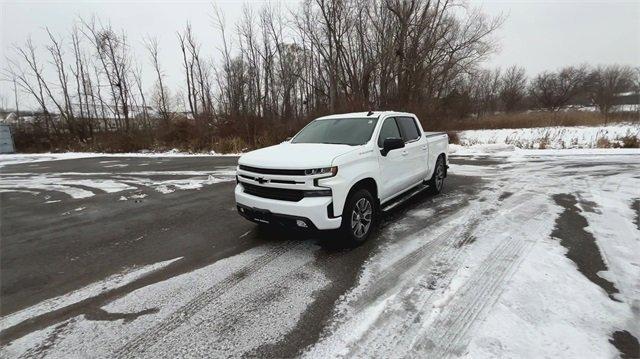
{"x":404,"y":197}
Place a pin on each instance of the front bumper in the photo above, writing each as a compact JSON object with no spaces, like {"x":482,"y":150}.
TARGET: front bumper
{"x":258,"y":215}
{"x":311,"y":210}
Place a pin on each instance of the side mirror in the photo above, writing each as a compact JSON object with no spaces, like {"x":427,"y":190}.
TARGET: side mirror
{"x":390,"y":144}
{"x":288,"y":139}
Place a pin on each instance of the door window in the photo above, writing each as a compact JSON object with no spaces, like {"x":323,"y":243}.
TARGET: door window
{"x":409,"y":128}
{"x":389,"y":130}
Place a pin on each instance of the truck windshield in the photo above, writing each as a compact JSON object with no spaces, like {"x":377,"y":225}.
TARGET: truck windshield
{"x":343,"y":131}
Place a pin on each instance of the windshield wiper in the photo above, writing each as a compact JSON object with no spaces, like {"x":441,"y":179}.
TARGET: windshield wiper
{"x":338,"y":143}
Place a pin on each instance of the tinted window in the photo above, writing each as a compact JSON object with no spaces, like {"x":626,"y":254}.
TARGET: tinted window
{"x":389,"y":129}
{"x":409,"y":128}
{"x":343,"y":131}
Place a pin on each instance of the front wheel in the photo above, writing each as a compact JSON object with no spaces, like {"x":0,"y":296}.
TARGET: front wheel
{"x":358,"y":217}
{"x":436,"y":183}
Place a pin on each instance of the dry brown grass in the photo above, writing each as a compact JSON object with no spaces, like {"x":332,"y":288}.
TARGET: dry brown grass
{"x":230,"y":145}
{"x":630,"y":142}
{"x":453,"y":137}
{"x":535,"y":119}
{"x":230,"y":137}
{"x":603,"y":143}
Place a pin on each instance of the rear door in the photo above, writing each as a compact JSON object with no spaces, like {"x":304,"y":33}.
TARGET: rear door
{"x":395,"y":170}
{"x":415,"y":147}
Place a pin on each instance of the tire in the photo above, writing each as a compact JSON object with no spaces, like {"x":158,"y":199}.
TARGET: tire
{"x":436,"y":183}
{"x":358,"y":217}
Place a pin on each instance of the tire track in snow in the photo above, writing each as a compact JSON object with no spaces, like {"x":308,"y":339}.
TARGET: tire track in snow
{"x":394,"y":325}
{"x":388,"y":328}
{"x":447,"y":335}
{"x":182,"y":315}
{"x":400,"y":324}
{"x":476,"y":296}
{"x":460,"y":226}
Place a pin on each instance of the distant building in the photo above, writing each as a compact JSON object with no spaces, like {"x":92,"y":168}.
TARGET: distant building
{"x":6,"y":139}
{"x":628,"y":98}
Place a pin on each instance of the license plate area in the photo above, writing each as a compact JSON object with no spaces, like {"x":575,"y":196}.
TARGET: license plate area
{"x":257,"y":214}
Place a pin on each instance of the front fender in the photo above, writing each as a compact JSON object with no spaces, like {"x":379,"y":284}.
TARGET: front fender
{"x":348,"y":175}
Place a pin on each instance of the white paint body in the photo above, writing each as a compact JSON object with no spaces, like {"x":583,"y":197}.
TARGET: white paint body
{"x":397,"y":172}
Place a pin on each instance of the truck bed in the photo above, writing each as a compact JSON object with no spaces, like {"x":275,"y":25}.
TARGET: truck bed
{"x":432,"y":134}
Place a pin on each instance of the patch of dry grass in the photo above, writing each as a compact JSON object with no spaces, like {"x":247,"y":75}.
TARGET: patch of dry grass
{"x":536,"y":119}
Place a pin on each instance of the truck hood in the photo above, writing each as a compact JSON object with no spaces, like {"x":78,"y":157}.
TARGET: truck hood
{"x":295,"y":155}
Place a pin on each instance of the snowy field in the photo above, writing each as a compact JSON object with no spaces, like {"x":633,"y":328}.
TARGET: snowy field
{"x":538,"y":257}
{"x":551,"y":137}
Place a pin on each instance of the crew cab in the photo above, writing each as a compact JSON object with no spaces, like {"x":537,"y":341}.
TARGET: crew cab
{"x":339,"y":171}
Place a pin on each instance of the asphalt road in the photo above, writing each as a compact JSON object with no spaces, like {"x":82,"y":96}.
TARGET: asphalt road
{"x":49,"y":249}
{"x":52,"y":244}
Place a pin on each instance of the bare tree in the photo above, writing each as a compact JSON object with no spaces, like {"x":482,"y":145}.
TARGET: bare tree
{"x":513,"y":88}
{"x":485,"y":91}
{"x":40,"y":90}
{"x":66,"y":109}
{"x":198,"y":84}
{"x":113,"y":53}
{"x":553,"y":90}
{"x":605,"y":83}
{"x":324,"y":56}
{"x":161,"y":103}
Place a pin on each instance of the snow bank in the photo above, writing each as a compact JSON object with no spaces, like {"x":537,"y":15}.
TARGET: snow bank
{"x":550,"y":137}
{"x":512,"y":152}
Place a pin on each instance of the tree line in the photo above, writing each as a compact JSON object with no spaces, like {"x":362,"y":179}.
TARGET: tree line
{"x":281,"y":67}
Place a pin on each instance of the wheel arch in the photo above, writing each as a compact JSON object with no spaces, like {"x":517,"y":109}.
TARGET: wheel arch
{"x":446,"y":166}
{"x":368,"y":183}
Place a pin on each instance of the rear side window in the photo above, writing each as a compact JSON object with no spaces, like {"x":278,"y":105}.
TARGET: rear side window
{"x":389,"y":129}
{"x":409,"y":128}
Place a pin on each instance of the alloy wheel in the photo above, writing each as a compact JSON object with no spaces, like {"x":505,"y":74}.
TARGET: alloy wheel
{"x":440,"y":175}
{"x":361,"y":217}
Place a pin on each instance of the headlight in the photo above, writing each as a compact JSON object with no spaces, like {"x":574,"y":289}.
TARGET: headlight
{"x":330,"y":171}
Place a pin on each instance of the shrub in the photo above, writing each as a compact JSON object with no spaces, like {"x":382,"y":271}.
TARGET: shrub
{"x":630,"y":141}
{"x":453,"y":137}
{"x":230,"y":145}
{"x":603,"y":142}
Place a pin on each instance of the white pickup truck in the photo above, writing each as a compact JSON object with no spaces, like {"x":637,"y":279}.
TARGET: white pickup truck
{"x":339,"y":171}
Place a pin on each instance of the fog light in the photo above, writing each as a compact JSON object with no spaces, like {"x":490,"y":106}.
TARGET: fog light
{"x":301,"y":223}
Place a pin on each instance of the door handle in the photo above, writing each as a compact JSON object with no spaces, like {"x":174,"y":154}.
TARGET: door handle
{"x":404,"y":153}
{"x":425,"y":147}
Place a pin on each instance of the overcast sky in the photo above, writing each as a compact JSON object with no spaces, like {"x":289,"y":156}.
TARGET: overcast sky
{"x":539,"y":35}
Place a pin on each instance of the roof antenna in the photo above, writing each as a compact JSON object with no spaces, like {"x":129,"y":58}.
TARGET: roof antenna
{"x":370,"y":113}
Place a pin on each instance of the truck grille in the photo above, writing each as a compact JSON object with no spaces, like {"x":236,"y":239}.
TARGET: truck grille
{"x":281,"y":194}
{"x":269,"y":171}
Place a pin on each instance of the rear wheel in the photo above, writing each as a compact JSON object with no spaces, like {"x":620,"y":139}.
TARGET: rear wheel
{"x":358,"y":217}
{"x":436,"y":183}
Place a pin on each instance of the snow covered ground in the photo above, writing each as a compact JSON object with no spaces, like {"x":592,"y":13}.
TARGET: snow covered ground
{"x":15,"y":158}
{"x":551,"y":137}
{"x":115,"y":174}
{"x":493,"y":274}
{"x":126,"y":276}
{"x":75,"y":184}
